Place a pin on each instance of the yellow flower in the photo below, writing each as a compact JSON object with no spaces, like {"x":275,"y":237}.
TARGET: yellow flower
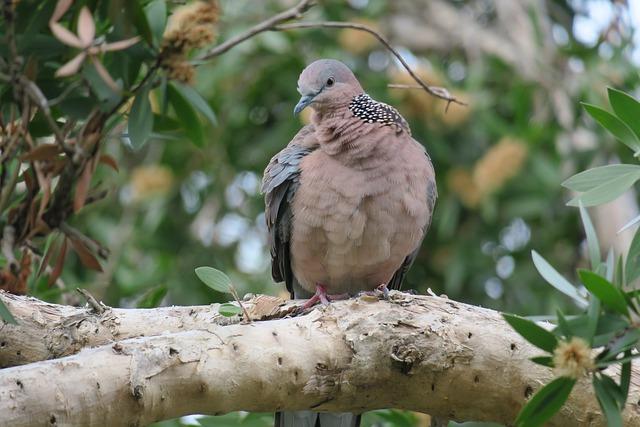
{"x":190,"y":26}
{"x":149,"y":181}
{"x":460,"y":182}
{"x":500,"y":163}
{"x":573,"y":359}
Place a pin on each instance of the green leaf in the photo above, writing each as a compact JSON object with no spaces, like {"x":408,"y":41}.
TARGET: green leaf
{"x":229,"y":310}
{"x":153,"y":297}
{"x":563,"y":325}
{"x":606,"y":191}
{"x":186,"y":115}
{"x":140,"y":119}
{"x":632,"y":266}
{"x":533,"y":333}
{"x":6,"y":315}
{"x":614,"y":125}
{"x":156,"y":14}
{"x":140,"y":20}
{"x":556,"y":280}
{"x":592,"y":238}
{"x":626,"y":342}
{"x":626,"y":108}
{"x":585,"y":181}
{"x":593,"y":314}
{"x":543,"y":360}
{"x":625,"y":377}
{"x":605,"y":291}
{"x":607,"y":402}
{"x":197,"y":101}
{"x":545,"y":403}
{"x":215,"y":279}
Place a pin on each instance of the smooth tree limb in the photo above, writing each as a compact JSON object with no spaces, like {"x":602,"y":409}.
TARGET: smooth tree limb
{"x":421,"y":353}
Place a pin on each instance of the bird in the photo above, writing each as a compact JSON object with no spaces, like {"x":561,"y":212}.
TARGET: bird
{"x":348,"y":201}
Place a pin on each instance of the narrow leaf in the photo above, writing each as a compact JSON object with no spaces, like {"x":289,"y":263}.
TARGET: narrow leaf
{"x":109,"y":161}
{"x":632,"y":266}
{"x":156,"y":15}
{"x":545,"y":403}
{"x":630,"y":224}
{"x":585,"y":181}
{"x":605,"y":291}
{"x":556,"y":280}
{"x":626,"y":108}
{"x":57,"y":269}
{"x":229,"y":310}
{"x":198,"y":102}
{"x":6,"y":315}
{"x":614,"y":125}
{"x":86,"y":27}
{"x":543,"y":360}
{"x":86,"y":257}
{"x":215,"y":279}
{"x":593,"y":314}
{"x":41,"y":152}
{"x":140,"y":119}
{"x":592,"y":238}
{"x":607,"y":403}
{"x":533,"y":333}
{"x":625,"y":377}
{"x":606,"y":191}
{"x":186,"y":115}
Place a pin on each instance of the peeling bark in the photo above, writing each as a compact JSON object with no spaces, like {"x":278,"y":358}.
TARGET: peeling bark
{"x":49,"y":331}
{"x":426,"y":354}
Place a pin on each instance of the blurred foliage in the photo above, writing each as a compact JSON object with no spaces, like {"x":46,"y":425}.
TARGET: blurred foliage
{"x":186,"y":189}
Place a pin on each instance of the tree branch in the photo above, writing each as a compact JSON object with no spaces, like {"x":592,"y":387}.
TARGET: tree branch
{"x":421,"y":353}
{"x":275,"y":24}
{"x":48,"y":331}
{"x":438,"y":92}
{"x":294,"y":13}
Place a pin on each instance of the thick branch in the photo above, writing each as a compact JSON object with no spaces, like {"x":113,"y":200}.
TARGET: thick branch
{"x":48,"y":331}
{"x":421,"y":353}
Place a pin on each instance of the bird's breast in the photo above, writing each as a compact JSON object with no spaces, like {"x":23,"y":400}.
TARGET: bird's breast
{"x":353,"y":227}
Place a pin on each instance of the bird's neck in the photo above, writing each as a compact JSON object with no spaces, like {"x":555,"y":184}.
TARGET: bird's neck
{"x":346,"y":137}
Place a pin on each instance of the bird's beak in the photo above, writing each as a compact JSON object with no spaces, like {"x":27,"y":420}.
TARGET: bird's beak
{"x":305,"y":100}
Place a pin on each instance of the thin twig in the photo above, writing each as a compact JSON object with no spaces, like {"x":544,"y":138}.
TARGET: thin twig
{"x":267,"y":25}
{"x":88,"y":242}
{"x":95,"y":305}
{"x":438,"y":92}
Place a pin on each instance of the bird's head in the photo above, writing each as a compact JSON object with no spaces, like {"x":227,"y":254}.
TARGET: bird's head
{"x":326,"y":84}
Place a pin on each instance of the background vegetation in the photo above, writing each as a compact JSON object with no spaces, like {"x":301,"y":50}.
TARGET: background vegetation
{"x":186,"y":189}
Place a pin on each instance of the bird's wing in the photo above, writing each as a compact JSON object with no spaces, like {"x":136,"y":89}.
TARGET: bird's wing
{"x":432,"y":195}
{"x":279,"y":185}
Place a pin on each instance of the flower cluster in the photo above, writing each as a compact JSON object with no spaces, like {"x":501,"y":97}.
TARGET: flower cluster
{"x":573,"y":358}
{"x":191,"y":26}
{"x":499,"y":164}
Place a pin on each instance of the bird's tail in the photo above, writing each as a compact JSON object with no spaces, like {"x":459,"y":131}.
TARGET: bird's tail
{"x":316,"y":419}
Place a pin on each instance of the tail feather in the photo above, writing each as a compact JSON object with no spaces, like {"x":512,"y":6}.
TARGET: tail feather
{"x":315,"y":419}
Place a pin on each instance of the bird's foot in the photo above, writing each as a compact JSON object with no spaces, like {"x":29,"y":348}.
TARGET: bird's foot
{"x":322,"y":297}
{"x":385,"y":291}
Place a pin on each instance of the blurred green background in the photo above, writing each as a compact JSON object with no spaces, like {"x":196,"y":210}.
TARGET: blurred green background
{"x":523,"y":67}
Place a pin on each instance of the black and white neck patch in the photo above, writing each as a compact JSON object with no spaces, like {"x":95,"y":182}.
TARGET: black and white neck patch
{"x":371,"y":111}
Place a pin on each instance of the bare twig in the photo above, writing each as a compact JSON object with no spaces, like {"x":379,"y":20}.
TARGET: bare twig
{"x":438,"y":92}
{"x":267,"y":25}
{"x":95,"y":305}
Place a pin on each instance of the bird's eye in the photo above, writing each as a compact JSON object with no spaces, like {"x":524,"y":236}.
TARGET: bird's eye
{"x":330,"y":81}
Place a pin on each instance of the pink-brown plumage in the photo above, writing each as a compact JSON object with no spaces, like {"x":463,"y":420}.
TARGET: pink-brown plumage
{"x":359,"y":194}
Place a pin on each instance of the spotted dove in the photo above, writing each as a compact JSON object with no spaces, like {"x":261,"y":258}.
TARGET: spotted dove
{"x":348,"y":200}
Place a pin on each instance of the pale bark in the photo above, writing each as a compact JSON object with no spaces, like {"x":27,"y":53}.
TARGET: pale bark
{"x":421,"y":353}
{"x":49,"y":331}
